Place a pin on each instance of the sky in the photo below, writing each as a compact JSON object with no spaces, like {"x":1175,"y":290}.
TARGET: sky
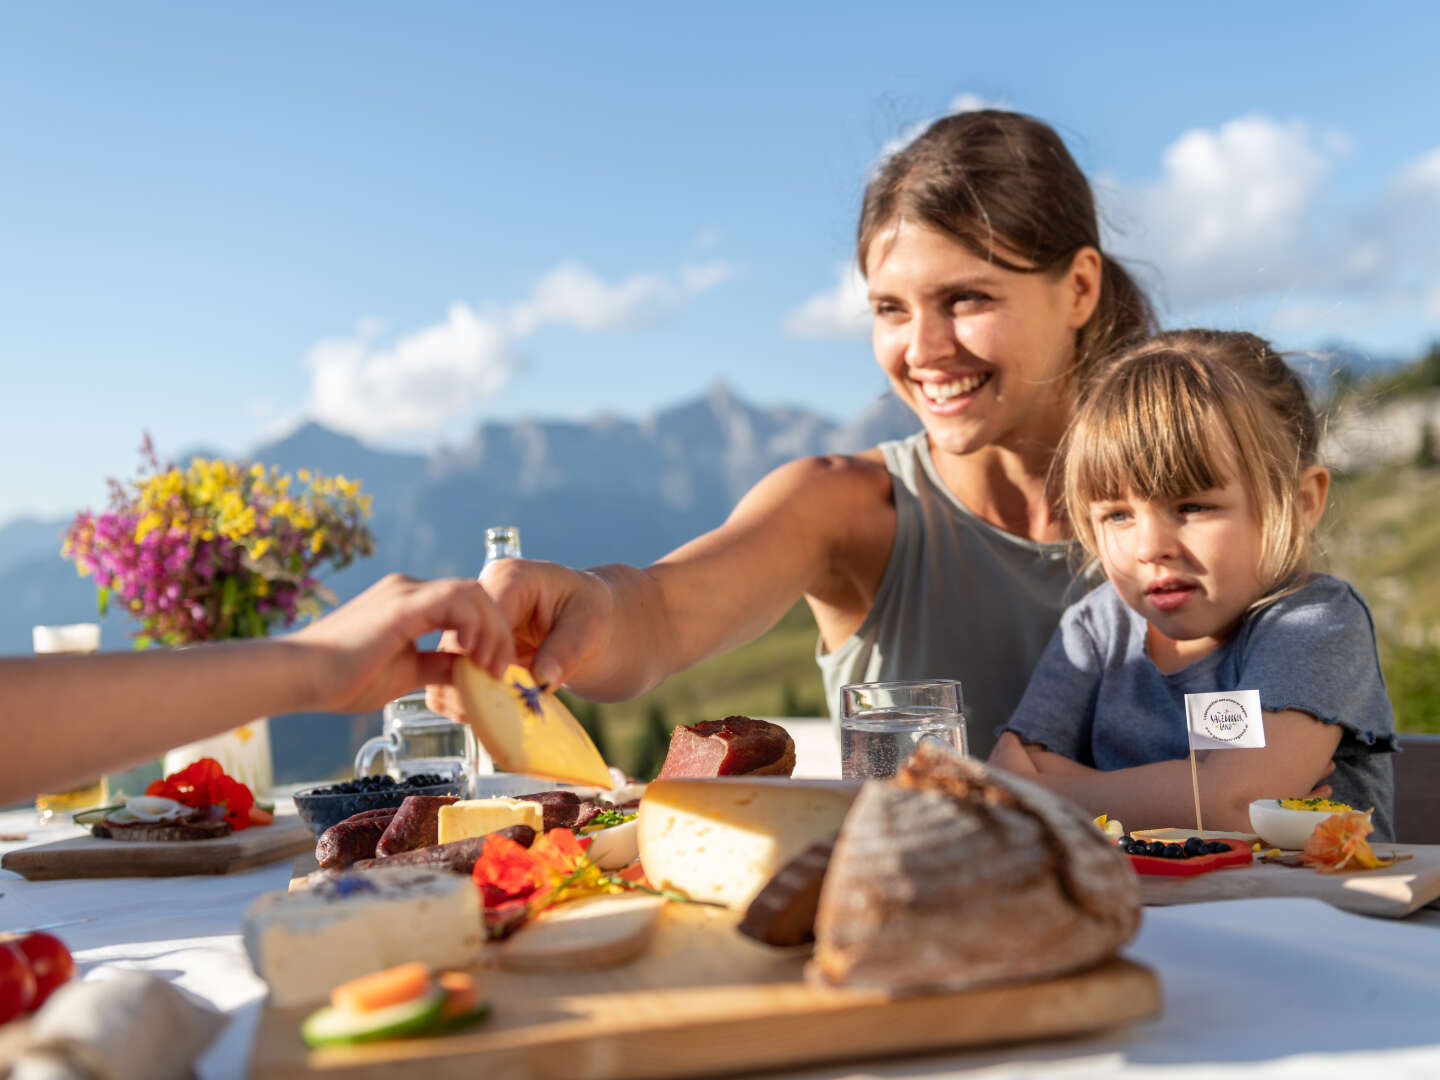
{"x":218,"y":221}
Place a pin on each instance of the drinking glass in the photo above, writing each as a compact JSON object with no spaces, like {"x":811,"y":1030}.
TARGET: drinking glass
{"x":414,"y":740}
{"x":881,"y":723}
{"x":75,"y":639}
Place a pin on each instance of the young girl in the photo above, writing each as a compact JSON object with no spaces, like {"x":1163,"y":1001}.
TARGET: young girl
{"x":1190,"y":473}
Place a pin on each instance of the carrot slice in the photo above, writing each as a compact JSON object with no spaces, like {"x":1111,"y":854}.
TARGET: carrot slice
{"x":382,"y":989}
{"x":261,"y":817}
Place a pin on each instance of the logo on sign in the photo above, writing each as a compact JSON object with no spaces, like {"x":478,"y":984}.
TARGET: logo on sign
{"x":1225,"y":719}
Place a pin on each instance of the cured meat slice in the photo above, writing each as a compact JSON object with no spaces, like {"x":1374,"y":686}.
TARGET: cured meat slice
{"x":956,"y":875}
{"x":734,"y":746}
{"x":564,"y":809}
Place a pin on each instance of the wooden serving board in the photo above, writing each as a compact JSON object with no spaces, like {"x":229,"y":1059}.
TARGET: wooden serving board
{"x":90,"y":857}
{"x":1395,"y":891}
{"x":702,"y":1001}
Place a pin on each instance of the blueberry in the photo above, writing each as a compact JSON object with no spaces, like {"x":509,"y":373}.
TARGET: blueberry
{"x":1174,"y":851}
{"x":1214,"y":847}
{"x":1194,"y":846}
{"x":1156,"y":848}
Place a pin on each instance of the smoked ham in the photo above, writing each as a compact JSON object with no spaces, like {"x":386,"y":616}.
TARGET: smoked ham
{"x":956,"y":875}
{"x":734,"y":746}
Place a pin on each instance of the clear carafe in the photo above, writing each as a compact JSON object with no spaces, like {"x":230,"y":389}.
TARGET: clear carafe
{"x":414,"y":740}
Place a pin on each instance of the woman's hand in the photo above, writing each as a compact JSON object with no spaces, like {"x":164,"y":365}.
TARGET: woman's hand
{"x":365,"y":650}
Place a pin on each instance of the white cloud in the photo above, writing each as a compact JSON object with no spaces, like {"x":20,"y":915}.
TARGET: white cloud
{"x":1422,"y":174}
{"x":974,"y":103}
{"x":841,"y":311}
{"x":1227,"y":214}
{"x":420,"y":380}
{"x":430,"y":376}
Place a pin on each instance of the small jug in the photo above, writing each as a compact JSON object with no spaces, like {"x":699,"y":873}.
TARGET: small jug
{"x":414,"y":740}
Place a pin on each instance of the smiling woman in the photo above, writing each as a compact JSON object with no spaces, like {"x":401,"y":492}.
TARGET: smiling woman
{"x":940,"y":556}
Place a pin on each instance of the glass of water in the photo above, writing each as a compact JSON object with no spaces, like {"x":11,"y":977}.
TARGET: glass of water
{"x":881,"y":723}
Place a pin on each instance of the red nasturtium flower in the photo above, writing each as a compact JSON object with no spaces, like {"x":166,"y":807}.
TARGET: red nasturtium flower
{"x":203,"y":784}
{"x":516,"y":882}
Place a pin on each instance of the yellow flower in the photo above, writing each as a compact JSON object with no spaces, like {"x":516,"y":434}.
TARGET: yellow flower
{"x":317,"y":542}
{"x":261,"y":547}
{"x":148,"y":524}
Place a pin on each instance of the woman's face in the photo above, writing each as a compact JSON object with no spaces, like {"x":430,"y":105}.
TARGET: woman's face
{"x":982,"y":354}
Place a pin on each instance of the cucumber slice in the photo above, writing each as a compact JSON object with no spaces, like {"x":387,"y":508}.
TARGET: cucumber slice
{"x":336,"y":1027}
{"x":95,"y":814}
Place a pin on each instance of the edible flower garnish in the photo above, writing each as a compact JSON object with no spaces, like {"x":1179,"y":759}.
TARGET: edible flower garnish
{"x":203,"y":784}
{"x":1338,"y":843}
{"x":517,"y":883}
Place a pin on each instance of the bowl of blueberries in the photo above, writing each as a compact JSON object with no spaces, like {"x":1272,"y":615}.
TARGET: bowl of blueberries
{"x":321,"y":807}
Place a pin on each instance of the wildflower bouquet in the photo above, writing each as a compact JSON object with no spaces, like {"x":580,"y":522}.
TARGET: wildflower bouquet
{"x":220,"y":549}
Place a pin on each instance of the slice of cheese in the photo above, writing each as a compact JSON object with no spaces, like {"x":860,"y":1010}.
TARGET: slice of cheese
{"x":476,"y":817}
{"x":526,"y":729}
{"x":721,"y":839}
{"x":593,"y":932}
{"x":307,"y":942}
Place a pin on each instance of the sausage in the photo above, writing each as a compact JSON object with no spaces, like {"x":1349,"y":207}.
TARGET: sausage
{"x":457,"y":856}
{"x":563,"y":809}
{"x":353,"y":839}
{"x":415,"y":825}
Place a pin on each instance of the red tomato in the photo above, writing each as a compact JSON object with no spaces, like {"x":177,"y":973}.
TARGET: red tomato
{"x":17,"y":982}
{"x":49,"y":960}
{"x":1238,"y":855}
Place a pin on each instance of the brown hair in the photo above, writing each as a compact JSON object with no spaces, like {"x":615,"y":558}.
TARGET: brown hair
{"x":1186,"y":412}
{"x":995,"y":179}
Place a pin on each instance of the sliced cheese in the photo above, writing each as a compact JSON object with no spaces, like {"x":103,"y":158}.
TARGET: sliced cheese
{"x":305,"y":943}
{"x":476,"y":817}
{"x":526,"y":729}
{"x":722,"y":839}
{"x":593,"y":932}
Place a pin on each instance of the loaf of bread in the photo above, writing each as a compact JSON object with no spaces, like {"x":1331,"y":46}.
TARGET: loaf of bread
{"x":956,"y":875}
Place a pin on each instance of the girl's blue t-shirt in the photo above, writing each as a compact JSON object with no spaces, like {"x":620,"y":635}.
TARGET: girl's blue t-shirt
{"x":1097,"y":698}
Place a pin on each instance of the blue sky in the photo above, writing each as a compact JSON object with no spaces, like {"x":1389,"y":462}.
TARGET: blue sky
{"x":218,"y":220}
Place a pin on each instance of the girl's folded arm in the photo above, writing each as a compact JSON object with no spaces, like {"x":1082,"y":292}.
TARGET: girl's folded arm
{"x":1296,"y":756}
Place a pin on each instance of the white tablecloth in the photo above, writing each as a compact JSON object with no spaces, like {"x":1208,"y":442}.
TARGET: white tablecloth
{"x":1253,"y":988}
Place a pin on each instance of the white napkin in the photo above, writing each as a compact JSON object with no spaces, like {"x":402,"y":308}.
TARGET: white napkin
{"x":117,"y":1025}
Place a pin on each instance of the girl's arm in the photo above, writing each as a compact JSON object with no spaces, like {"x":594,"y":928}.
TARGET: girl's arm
{"x":1296,"y":755}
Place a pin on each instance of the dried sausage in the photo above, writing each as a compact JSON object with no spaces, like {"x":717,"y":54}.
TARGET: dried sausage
{"x":415,"y":825}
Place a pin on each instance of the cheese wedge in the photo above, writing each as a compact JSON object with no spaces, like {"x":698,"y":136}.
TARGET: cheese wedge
{"x":476,"y":817}
{"x":306,"y":942}
{"x":526,"y":729}
{"x":721,"y":839}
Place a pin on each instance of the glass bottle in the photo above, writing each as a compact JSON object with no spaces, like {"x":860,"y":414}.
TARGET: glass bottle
{"x":501,"y":542}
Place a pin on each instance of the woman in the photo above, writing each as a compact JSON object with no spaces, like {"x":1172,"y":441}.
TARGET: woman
{"x":943,"y":555}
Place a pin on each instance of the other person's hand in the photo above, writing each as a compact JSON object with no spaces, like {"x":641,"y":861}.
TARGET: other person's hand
{"x":365,"y":652}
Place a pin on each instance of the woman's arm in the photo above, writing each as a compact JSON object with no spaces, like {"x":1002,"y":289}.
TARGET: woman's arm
{"x":819,"y":527}
{"x":71,"y":718}
{"x":1296,"y":756}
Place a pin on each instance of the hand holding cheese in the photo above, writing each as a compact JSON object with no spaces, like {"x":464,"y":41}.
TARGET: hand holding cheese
{"x":525,"y":728}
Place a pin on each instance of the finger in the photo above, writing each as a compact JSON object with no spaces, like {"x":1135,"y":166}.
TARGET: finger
{"x":442,"y":699}
{"x":465,"y":609}
{"x":435,"y":669}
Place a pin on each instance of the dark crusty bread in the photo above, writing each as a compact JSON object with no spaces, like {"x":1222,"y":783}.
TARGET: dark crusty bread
{"x":957,"y":875}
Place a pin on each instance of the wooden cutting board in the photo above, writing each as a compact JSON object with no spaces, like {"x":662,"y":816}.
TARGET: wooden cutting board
{"x":704,"y":1000}
{"x":1393,"y":892}
{"x":89,"y":857}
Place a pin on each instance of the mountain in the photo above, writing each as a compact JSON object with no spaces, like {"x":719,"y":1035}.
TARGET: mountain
{"x":607,"y":489}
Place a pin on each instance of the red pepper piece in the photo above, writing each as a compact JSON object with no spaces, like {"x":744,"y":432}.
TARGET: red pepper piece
{"x":1238,"y":855}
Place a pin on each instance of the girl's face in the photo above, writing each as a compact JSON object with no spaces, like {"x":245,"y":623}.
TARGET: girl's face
{"x":981,"y":354}
{"x":1190,"y":566}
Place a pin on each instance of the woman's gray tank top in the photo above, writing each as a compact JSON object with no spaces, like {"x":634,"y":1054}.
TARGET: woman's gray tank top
{"x":960,"y":599}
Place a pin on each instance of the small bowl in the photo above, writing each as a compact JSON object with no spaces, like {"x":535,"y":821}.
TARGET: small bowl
{"x":321,"y":810}
{"x":1282,"y":827}
{"x":616,"y":847}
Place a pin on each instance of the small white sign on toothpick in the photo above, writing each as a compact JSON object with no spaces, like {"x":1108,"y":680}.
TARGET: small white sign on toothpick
{"x":1225,"y":720}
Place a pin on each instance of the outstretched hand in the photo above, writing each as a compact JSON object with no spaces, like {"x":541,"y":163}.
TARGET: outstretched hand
{"x":560,"y":619}
{"x":365,"y":652}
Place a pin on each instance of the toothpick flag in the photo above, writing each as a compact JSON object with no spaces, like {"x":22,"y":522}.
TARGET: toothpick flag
{"x":1224,"y":720}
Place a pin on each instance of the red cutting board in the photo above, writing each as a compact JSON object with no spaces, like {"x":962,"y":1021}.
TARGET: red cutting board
{"x":89,"y":857}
